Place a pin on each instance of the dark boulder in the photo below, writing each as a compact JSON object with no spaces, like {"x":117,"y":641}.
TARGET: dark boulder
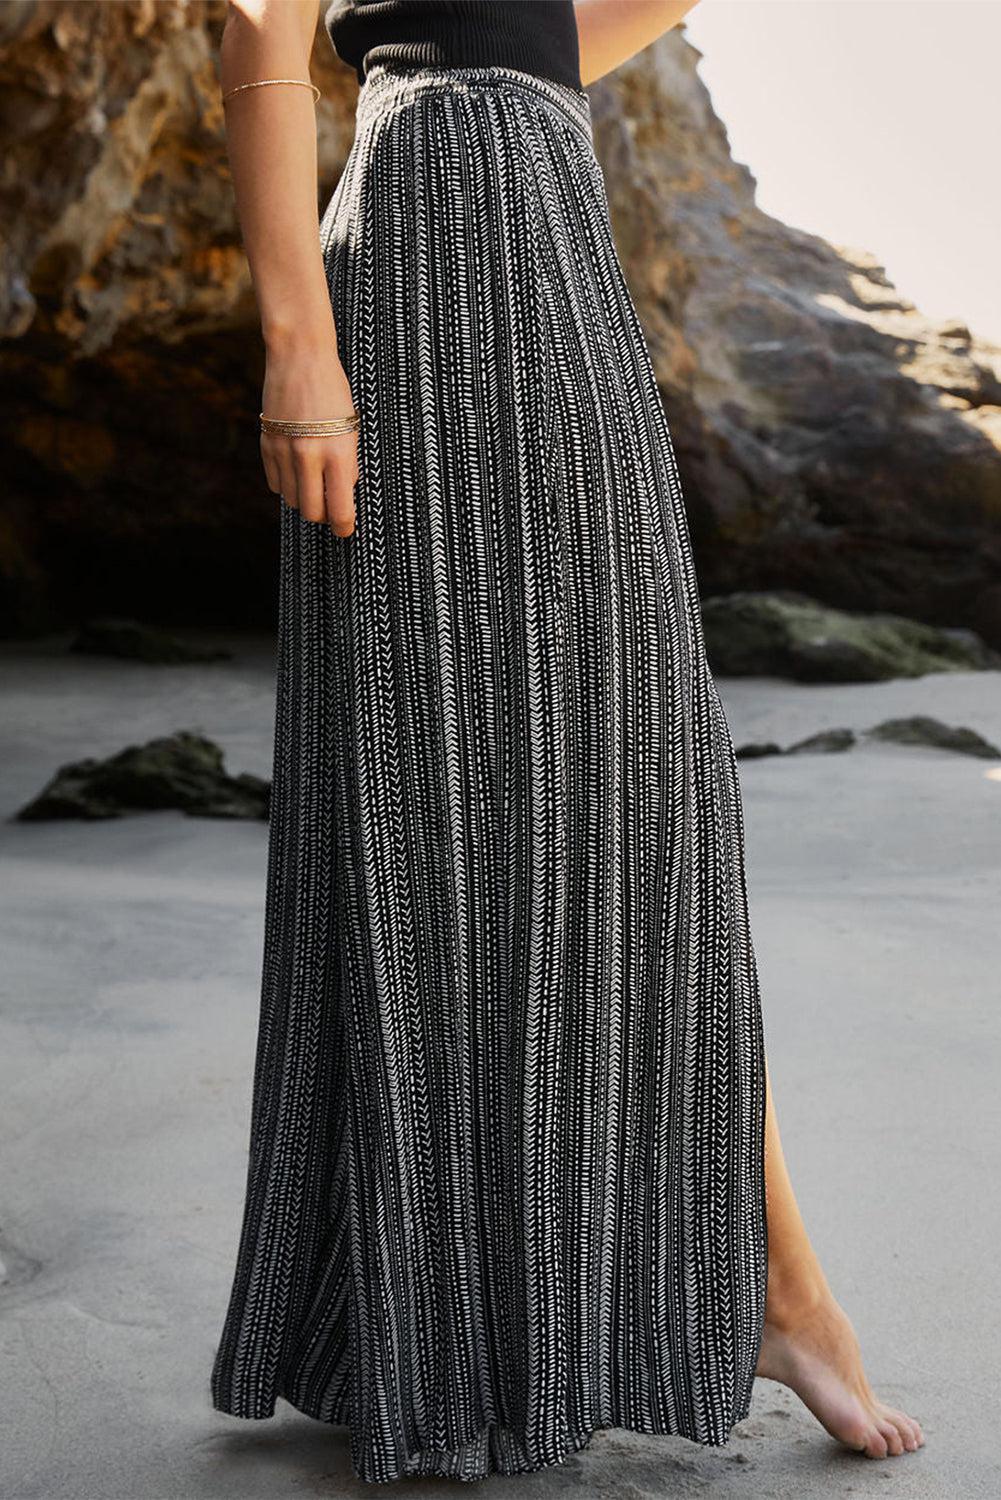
{"x":182,"y":770}
{"x":786,"y":634}
{"x":824,"y":742}
{"x":921,"y":729}
{"x":134,"y":641}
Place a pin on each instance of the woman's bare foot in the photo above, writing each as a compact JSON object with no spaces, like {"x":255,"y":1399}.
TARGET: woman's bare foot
{"x":812,"y":1348}
{"x":809,"y":1343}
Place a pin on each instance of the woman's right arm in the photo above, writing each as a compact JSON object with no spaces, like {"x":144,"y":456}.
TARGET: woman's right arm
{"x":271,"y":141}
{"x":611,"y":31}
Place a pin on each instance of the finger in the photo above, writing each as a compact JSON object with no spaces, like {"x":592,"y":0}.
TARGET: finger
{"x":287,"y":477}
{"x":308,"y":466}
{"x":340,"y":505}
{"x":272,"y":472}
{"x":340,"y":479}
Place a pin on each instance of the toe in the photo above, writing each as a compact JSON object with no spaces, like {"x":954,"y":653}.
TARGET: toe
{"x":905,"y":1425}
{"x":912,"y":1434}
{"x":876,"y":1445}
{"x":855,"y":1435}
{"x":894,"y":1442}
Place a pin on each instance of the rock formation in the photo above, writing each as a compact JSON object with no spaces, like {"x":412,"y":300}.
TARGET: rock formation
{"x":831,"y":440}
{"x":786,"y":634}
{"x":182,"y":770}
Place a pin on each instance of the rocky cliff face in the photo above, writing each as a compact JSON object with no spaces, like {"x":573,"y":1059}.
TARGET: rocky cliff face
{"x":830,"y":438}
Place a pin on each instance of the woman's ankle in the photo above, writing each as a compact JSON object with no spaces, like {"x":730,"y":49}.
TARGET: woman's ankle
{"x":795,"y":1292}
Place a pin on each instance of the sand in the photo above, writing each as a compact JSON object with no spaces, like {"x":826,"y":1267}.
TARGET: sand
{"x":129,"y":1007}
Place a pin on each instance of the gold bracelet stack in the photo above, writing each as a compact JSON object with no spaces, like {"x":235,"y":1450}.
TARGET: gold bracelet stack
{"x":326,"y":427}
{"x":302,"y":82}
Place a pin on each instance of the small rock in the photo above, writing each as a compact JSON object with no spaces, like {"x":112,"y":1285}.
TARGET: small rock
{"x":754,"y":751}
{"x":182,"y":770}
{"x":920,"y":729}
{"x":823,"y":742}
{"x":137,"y":642}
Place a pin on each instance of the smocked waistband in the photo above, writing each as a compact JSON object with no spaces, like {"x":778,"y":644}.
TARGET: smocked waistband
{"x":390,"y":83}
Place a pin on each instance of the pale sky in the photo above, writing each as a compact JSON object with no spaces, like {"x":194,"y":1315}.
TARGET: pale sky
{"x":874,"y":123}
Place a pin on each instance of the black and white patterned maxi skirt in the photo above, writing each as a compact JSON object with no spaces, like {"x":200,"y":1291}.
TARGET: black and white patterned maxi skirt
{"x":506,"y":1180}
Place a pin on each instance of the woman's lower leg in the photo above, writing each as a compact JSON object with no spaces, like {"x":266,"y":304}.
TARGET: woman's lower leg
{"x":809,"y":1343}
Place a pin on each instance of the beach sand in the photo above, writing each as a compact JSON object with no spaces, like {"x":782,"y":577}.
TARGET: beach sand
{"x":130,"y":986}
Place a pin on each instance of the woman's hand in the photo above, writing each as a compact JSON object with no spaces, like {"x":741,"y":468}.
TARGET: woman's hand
{"x":314,"y":475}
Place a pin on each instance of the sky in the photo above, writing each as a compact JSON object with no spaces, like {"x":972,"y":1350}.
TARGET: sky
{"x":874,"y":123}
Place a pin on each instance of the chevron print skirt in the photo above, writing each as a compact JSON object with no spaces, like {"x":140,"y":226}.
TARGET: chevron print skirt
{"x":506,"y":1176}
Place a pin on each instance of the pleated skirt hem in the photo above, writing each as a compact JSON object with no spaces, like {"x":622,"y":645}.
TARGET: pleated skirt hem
{"x":494,"y":1448}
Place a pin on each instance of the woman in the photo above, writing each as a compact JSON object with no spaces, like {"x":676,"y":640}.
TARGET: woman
{"x":510,"y":1121}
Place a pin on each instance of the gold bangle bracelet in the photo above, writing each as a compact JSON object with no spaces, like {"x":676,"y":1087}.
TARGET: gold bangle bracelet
{"x":323,"y":427}
{"x":261,"y":82}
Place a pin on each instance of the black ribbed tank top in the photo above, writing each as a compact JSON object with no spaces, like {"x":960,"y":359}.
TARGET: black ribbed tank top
{"x":536,"y":36}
